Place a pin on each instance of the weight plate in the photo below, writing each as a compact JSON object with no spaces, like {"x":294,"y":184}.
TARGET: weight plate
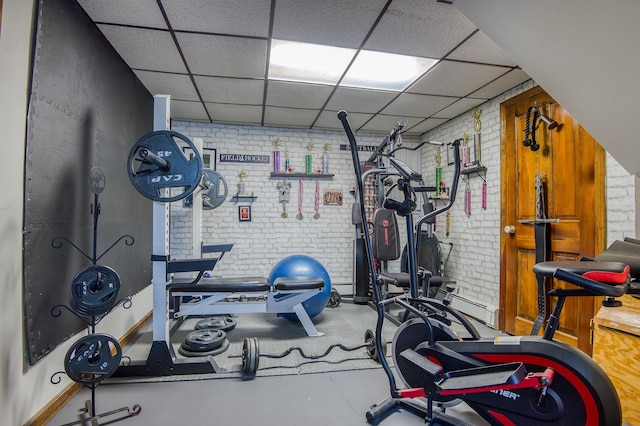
{"x":216,"y":323}
{"x":204,"y":340}
{"x":186,"y":351}
{"x":370,"y":340}
{"x":94,"y":290}
{"x":92,"y":358}
{"x":334,"y":298}
{"x":156,"y":163}
{"x":250,"y":355}
{"x":214,"y":190}
{"x":96,"y":180}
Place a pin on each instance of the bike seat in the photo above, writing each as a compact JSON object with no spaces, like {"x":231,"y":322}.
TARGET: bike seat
{"x":613,"y":272}
{"x":603,"y":278}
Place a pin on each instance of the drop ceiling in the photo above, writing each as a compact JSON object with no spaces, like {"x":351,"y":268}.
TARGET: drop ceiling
{"x":212,"y":57}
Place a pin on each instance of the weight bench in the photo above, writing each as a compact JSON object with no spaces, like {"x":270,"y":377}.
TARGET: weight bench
{"x":237,"y":295}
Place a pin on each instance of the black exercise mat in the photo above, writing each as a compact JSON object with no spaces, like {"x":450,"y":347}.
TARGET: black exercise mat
{"x":345,"y":324}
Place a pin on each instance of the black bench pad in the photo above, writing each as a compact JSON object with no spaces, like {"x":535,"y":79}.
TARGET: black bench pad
{"x":222,"y":285}
{"x":289,"y":284}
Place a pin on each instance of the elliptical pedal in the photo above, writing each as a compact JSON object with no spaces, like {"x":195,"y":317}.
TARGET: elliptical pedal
{"x":433,"y":369}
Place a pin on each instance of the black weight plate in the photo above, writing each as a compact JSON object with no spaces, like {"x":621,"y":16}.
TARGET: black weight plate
{"x":215,"y":191}
{"x":372,"y":351}
{"x":216,"y":323}
{"x":250,"y":355}
{"x":182,"y":176}
{"x":94,"y":290}
{"x":185,"y":351}
{"x":92,"y":358}
{"x":204,"y":340}
{"x":334,"y":299}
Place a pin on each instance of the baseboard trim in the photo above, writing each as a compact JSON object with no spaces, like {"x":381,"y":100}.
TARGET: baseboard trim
{"x":49,"y":411}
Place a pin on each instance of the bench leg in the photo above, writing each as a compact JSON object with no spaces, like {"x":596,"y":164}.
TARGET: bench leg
{"x":306,"y":321}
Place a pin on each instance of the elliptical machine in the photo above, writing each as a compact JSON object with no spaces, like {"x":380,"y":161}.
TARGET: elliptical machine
{"x":509,"y":380}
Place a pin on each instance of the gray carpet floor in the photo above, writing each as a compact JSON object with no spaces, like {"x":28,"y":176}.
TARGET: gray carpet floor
{"x":335,"y":390}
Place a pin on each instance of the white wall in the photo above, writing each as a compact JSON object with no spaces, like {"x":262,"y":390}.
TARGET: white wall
{"x":475,"y":259}
{"x":25,"y":390}
{"x":268,"y":238}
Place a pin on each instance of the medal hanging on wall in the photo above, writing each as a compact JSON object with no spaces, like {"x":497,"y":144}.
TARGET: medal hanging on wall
{"x":300,"y":193}
{"x":447,"y":225}
{"x":467,"y":200}
{"x":284,"y":186}
{"x":316,"y":201}
{"x":484,"y":195}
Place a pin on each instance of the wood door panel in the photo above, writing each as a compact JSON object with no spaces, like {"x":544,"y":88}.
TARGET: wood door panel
{"x":566,"y":160}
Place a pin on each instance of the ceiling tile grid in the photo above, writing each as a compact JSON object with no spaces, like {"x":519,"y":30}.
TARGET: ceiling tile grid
{"x":212,"y":57}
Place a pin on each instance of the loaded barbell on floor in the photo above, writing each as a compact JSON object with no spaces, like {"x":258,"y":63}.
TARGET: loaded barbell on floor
{"x":251,"y":351}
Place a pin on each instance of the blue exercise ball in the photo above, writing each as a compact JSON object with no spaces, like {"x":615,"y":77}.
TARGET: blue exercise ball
{"x":301,"y":266}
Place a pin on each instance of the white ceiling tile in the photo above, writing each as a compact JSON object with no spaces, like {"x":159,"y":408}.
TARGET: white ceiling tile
{"x":342,"y":23}
{"x":221,"y":56}
{"x":480,"y":48}
{"x":289,"y":117}
{"x":384,"y":123}
{"x":237,"y":114}
{"x":420,"y":28}
{"x":142,"y":13}
{"x":428,"y":124}
{"x":329,"y":120}
{"x":359,"y":100}
{"x":230,"y":90}
{"x":158,"y":82}
{"x":450,"y":78}
{"x":297,"y":95}
{"x":237,"y":17}
{"x":224,"y":43}
{"x":145,"y":49}
{"x":413,"y":105}
{"x":185,"y":110}
{"x":459,"y":107}
{"x":502,"y":84}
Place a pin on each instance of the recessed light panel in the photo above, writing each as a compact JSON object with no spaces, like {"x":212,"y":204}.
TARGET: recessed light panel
{"x":308,"y":63}
{"x":385,"y":71}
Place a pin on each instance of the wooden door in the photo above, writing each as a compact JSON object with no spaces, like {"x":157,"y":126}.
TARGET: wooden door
{"x":571,"y":163}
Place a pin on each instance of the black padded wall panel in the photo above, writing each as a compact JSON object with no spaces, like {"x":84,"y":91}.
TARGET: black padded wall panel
{"x":87,"y":108}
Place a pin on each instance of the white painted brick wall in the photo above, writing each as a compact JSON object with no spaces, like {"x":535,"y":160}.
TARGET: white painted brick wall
{"x":621,"y":205}
{"x":268,"y":238}
{"x":475,"y":259}
{"x":261,"y":243}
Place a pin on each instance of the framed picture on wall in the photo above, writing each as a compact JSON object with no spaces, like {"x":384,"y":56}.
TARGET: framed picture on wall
{"x":208,"y":157}
{"x":450,"y":154}
{"x":244,"y":213}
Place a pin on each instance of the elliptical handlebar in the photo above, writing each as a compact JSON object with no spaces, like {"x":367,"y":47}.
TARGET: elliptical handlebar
{"x":454,"y":186}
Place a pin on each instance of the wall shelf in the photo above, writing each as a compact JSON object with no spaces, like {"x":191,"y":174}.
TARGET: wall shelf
{"x":302,"y":175}
{"x":244,"y":198}
{"x":481,"y":171}
{"x":470,"y":170}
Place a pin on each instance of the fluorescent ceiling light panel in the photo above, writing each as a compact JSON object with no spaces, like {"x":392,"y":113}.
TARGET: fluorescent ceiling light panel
{"x":308,"y":63}
{"x":385,"y":71}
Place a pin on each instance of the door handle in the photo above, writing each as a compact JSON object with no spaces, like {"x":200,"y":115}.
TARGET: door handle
{"x":509,"y":229}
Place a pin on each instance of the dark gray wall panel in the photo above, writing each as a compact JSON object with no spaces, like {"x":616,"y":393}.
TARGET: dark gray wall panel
{"x":86,"y":110}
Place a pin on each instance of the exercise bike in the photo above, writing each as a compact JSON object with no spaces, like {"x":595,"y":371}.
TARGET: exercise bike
{"x":511,"y":380}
